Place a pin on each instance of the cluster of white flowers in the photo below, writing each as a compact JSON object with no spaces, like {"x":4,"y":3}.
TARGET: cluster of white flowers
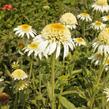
{"x":56,"y":36}
{"x":53,"y":37}
{"x":101,"y":49}
{"x":97,"y":25}
{"x":20,"y":76}
{"x":101,"y":6}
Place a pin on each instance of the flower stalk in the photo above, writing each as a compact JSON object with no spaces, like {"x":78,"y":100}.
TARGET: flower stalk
{"x":96,"y":88}
{"x":53,"y":80}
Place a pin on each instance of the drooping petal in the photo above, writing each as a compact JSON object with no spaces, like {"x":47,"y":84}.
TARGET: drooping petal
{"x":30,"y":52}
{"x":66,"y":50}
{"x":58,"y":50}
{"x":52,"y":48}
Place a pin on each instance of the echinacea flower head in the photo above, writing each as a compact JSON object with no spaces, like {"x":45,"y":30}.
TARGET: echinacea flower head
{"x":79,"y":41}
{"x":104,"y":36}
{"x":97,"y":25}
{"x":101,"y":44}
{"x":69,"y":20}
{"x":25,"y":29}
{"x":106,"y":91}
{"x":19,"y":74}
{"x":84,"y":17}
{"x":36,"y":47}
{"x":15,"y":65}
{"x":21,"y":85}
{"x":101,"y":6}
{"x":96,"y":58}
{"x":105,"y":18}
{"x":56,"y":35}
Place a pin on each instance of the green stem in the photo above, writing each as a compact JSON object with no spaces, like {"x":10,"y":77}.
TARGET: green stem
{"x":40,"y":76}
{"x":15,"y":102}
{"x":40,"y":79}
{"x":53,"y":80}
{"x":31,"y":66}
{"x":97,"y":83}
{"x":83,"y":29}
{"x":59,"y":106}
{"x":86,"y":3}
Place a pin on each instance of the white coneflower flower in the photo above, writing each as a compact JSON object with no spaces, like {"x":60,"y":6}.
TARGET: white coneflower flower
{"x":84,"y":17}
{"x":36,"y":47}
{"x":105,"y":18}
{"x":96,"y":58}
{"x":101,"y":6}
{"x":69,"y":20}
{"x":25,"y":29}
{"x":56,"y":35}
{"x":97,"y":25}
{"x":21,"y":85}
{"x":19,"y":74}
{"x":106,"y":91}
{"x":15,"y":65}
{"x":101,"y":44}
{"x":79,"y":41}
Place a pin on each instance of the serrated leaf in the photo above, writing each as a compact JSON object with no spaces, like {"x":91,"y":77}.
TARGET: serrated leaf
{"x":66,"y":103}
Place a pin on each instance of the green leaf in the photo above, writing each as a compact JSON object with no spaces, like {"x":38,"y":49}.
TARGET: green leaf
{"x":67,"y":104}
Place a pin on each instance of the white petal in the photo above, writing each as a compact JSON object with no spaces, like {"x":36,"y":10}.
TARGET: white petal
{"x":28,"y":36}
{"x":52,"y":47}
{"x":17,"y":32}
{"x":43,"y":45}
{"x":40,"y":55}
{"x":30,"y":52}
{"x":15,"y":29}
{"x":66,"y":50}
{"x":31,"y":34}
{"x":71,"y":44}
{"x":58,"y":50}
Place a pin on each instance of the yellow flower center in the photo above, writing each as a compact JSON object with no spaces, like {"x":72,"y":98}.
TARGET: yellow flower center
{"x":21,"y":85}
{"x":25,"y":27}
{"x":98,"y":23}
{"x":101,"y":2}
{"x":57,"y":26}
{"x":56,"y":32}
{"x":85,"y":14}
{"x":33,"y":45}
{"x":19,"y":74}
{"x":104,"y":36}
{"x":80,"y":41}
{"x":68,"y":19}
